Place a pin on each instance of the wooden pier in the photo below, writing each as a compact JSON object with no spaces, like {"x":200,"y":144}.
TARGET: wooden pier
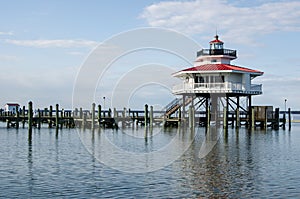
{"x":261,"y":117}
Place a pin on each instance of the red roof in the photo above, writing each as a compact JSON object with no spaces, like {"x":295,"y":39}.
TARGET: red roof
{"x":12,"y":104}
{"x":216,"y":67}
{"x":216,"y":40}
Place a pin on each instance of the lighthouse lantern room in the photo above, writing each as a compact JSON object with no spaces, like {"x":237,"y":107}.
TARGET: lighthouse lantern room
{"x":213,"y":82}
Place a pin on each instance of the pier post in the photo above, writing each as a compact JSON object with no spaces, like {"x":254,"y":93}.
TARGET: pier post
{"x":179,"y":117}
{"x":252,"y":118}
{"x":190,"y":111}
{"x":123,"y":117}
{"x":249,"y":110}
{"x":80,"y":113}
{"x":109,"y":113}
{"x":266,"y":118}
{"x":93,"y":115}
{"x":57,"y":115}
{"x":225,"y":118}
{"x":23,"y":116}
{"x":99,"y":114}
{"x":207,"y":113}
{"x":50,"y":117}
{"x":151,"y":116}
{"x":237,"y":119}
{"x":290,"y":119}
{"x":284,"y":121}
{"x":17,"y":118}
{"x":30,"y":115}
{"x":146,"y":114}
{"x":193,"y":117}
{"x":84,"y":121}
{"x":39,"y":119}
{"x":276,"y":122}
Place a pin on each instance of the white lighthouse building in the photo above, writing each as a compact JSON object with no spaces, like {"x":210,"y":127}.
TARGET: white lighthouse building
{"x":213,"y":78}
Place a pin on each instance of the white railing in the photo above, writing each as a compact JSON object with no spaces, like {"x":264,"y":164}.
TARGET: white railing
{"x":256,"y":87}
{"x":216,"y":87}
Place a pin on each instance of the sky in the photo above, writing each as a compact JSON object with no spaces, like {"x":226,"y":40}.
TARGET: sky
{"x":44,"y":45}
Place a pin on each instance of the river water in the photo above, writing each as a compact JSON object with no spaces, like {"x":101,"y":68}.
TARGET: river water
{"x":71,"y":163}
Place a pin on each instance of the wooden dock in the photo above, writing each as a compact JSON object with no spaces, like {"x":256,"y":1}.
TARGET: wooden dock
{"x":98,"y":118}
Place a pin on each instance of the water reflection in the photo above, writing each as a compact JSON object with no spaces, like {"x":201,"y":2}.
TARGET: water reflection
{"x":30,"y":163}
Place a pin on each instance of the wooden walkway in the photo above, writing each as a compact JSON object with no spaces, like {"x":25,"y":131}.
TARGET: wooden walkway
{"x":93,"y":118}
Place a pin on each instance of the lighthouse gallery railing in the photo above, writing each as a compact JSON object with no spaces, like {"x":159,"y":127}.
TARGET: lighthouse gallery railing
{"x":216,"y":87}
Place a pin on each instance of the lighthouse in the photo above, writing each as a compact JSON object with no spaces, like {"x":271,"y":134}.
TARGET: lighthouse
{"x":213,"y":83}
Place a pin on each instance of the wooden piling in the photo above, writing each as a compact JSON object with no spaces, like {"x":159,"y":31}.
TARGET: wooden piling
{"x":207,"y":115}
{"x":80,"y":113}
{"x":84,"y":121}
{"x":17,"y":119}
{"x":266,"y":118}
{"x":283,"y":121}
{"x":151,"y":116}
{"x":57,"y":115}
{"x":93,"y":116}
{"x":276,"y":121}
{"x":179,"y":117}
{"x":39,"y":119}
{"x":237,"y":119}
{"x":123,"y":116}
{"x":50,"y":116}
{"x":99,"y":114}
{"x":225,"y":119}
{"x":193,"y":117}
{"x":252,"y":118}
{"x":290,"y":118}
{"x":146,"y":114}
{"x":23,"y":116}
{"x":109,"y":113}
{"x":30,"y":116}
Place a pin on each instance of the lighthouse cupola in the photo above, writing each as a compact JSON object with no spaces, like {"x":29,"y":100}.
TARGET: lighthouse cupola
{"x":216,"y":44}
{"x":216,"y":54}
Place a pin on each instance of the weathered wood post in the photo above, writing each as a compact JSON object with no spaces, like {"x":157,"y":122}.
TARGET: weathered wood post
{"x":84,"y":121}
{"x":252,"y":118}
{"x":80,"y":113}
{"x":57,"y":115}
{"x":115,"y":113}
{"x":146,"y":114}
{"x":207,"y":115}
{"x":93,"y":116}
{"x":284,"y":121}
{"x":23,"y":116}
{"x":30,"y":118}
{"x":109,"y":113}
{"x":290,"y":119}
{"x":151,"y":116}
{"x":266,"y":118}
{"x":190,"y":112}
{"x":39,"y":119}
{"x":99,"y":114}
{"x":276,"y":122}
{"x":225,"y":118}
{"x":123,"y":117}
{"x":50,"y":117}
{"x":237,"y":119}
{"x":17,"y":119}
{"x":179,"y":117}
{"x":193,"y":117}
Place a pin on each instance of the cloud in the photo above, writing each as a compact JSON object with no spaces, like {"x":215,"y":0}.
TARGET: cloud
{"x":6,"y":33}
{"x":239,"y":24}
{"x":56,"y":43}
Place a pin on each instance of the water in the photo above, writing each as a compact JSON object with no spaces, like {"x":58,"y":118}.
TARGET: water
{"x":261,"y":164}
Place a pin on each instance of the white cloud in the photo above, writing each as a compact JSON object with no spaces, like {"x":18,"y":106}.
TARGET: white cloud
{"x":239,"y":24}
{"x":6,"y":33}
{"x":55,"y":43}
